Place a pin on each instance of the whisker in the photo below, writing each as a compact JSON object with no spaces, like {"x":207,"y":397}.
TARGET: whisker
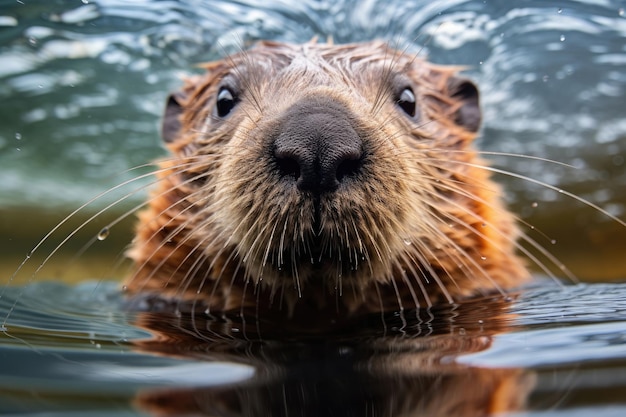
{"x":537,"y":182}
{"x":560,"y":191}
{"x":398,"y":297}
{"x":410,"y":262}
{"x":74,"y":232}
{"x":433,"y":274}
{"x":65,"y":220}
{"x":469,"y":212}
{"x":431,"y":161}
{"x":382,"y":307}
{"x":407,"y":281}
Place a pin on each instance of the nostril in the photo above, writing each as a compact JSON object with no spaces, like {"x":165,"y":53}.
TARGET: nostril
{"x":348,"y":168}
{"x":288,"y":167}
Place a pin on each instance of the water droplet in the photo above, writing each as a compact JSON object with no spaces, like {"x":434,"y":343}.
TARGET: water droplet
{"x":562,"y":38}
{"x":620,"y":12}
{"x":545,"y":78}
{"x":480,"y":322}
{"x":484,"y":258}
{"x":407,"y":242}
{"x":29,"y":254}
{"x":85,"y":1}
{"x":553,"y":241}
{"x":124,"y":288}
{"x":104,"y":233}
{"x":534,"y":204}
{"x":18,"y":136}
{"x":559,"y":11}
{"x":98,"y":345}
{"x":480,"y":62}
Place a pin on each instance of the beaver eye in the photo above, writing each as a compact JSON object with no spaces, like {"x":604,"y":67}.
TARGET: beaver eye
{"x":226,"y":101}
{"x":406,"y":101}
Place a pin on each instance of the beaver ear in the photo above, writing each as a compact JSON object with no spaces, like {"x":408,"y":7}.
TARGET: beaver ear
{"x":468,"y":115}
{"x":170,"y":126}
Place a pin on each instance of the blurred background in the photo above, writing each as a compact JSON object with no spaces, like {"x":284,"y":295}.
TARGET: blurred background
{"x":83,"y":83}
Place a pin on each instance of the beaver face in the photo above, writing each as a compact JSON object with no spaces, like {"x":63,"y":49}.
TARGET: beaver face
{"x":309,"y":170}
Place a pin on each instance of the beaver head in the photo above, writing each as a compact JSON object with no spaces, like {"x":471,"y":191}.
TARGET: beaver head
{"x":307,"y":173}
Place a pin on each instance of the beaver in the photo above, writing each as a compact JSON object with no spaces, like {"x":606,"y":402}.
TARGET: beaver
{"x":324,"y":178}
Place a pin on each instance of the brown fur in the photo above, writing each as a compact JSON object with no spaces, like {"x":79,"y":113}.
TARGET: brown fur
{"x":423,"y":224}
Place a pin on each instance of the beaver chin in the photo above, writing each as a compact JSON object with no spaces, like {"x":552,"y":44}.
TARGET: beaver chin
{"x":330,"y":268}
{"x":330,"y":253}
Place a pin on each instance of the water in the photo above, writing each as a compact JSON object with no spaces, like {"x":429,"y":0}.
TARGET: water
{"x":82,"y":85}
{"x":553,"y":351}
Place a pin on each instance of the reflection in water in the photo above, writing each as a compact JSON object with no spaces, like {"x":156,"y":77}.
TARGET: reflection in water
{"x":397,"y":365}
{"x":70,"y":348}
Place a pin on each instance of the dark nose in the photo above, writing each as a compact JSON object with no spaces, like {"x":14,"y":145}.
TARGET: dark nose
{"x":317,"y":146}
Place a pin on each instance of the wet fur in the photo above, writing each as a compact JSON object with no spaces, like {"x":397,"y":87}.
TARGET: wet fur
{"x":423,"y":223}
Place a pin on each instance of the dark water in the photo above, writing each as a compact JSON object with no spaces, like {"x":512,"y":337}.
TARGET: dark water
{"x":552,"y":351}
{"x":82,"y":85}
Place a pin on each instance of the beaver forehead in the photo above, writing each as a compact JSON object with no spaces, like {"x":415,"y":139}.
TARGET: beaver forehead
{"x":322,"y":64}
{"x":321,"y":54}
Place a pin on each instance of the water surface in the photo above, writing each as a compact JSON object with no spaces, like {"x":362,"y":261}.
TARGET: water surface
{"x":549,"y":351}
